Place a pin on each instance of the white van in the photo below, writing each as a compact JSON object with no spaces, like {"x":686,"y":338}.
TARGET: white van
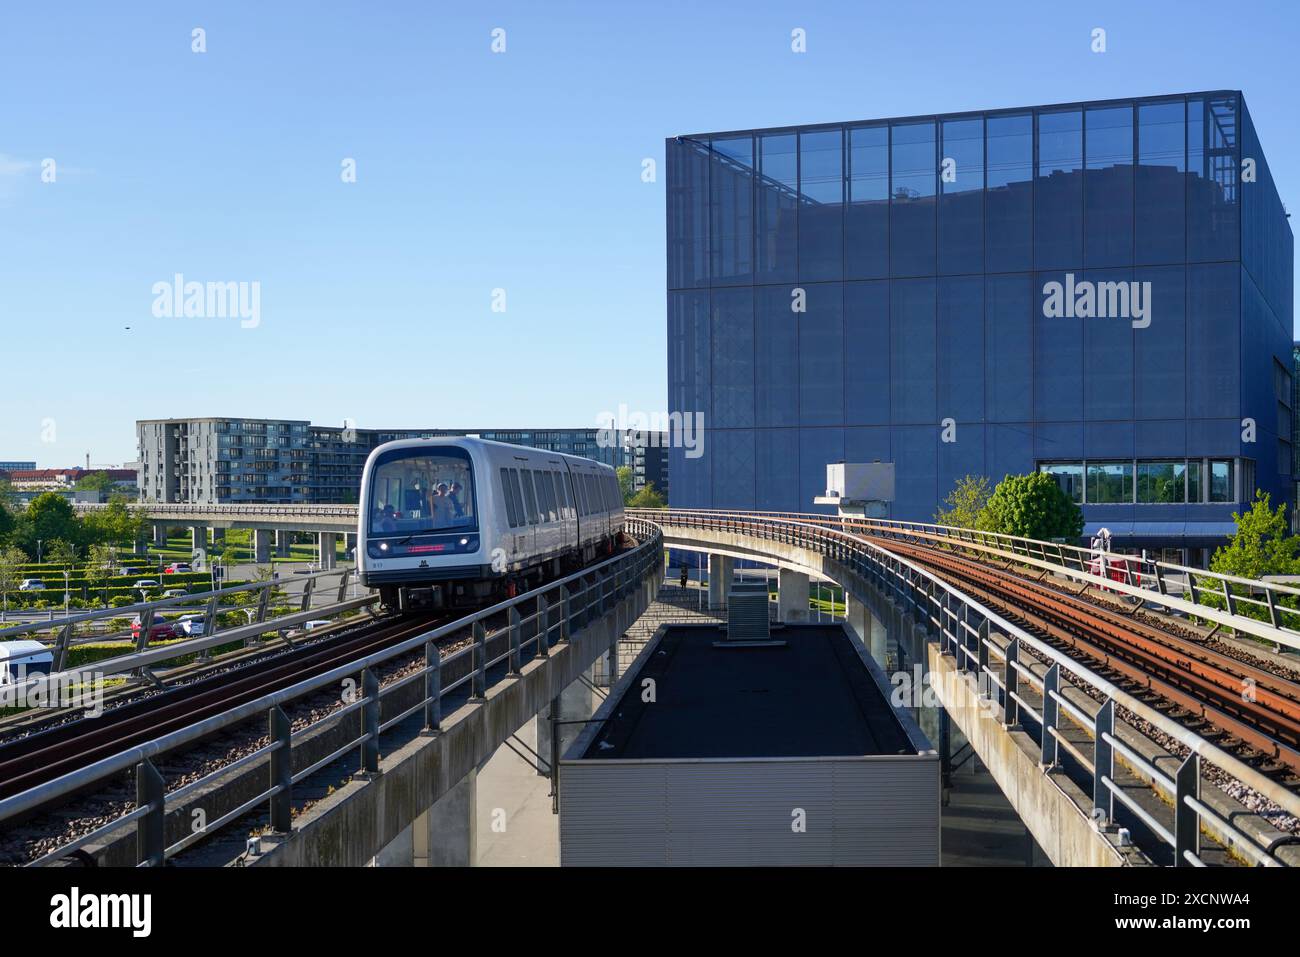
{"x":23,"y":659}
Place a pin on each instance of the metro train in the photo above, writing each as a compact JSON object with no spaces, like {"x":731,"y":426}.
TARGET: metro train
{"x":464,"y":522}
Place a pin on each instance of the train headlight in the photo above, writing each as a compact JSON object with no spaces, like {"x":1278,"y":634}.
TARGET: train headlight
{"x":383,"y":546}
{"x":464,"y":542}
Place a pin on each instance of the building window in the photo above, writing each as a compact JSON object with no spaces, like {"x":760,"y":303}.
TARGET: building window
{"x":1069,"y":476}
{"x":1110,"y":482}
{"x":1161,"y":482}
{"x":1221,"y":486}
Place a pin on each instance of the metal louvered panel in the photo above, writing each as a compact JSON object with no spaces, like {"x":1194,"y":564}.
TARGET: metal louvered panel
{"x":855,"y":812}
{"x":747,"y":618}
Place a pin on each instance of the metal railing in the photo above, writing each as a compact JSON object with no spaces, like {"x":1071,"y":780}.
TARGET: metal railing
{"x":212,"y":603}
{"x":979,"y":638}
{"x":559,"y":609}
{"x":1162,"y":584}
{"x":188,"y":510}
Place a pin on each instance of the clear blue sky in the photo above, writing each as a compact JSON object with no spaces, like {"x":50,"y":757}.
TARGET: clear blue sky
{"x":475,"y":171}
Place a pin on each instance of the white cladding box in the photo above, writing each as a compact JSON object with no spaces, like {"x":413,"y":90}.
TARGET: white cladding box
{"x":860,"y":481}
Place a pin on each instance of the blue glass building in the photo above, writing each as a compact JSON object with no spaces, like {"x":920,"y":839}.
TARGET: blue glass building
{"x":1101,"y":290}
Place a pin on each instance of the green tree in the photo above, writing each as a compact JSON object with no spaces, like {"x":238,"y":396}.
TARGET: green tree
{"x":1260,"y":546}
{"x":966,"y":503}
{"x":48,"y":517}
{"x":1032,"y":506}
{"x":114,"y":524}
{"x":648,"y":497}
{"x":625,"y":482}
{"x":11,"y":573}
{"x":95,"y":482}
{"x":7,"y":522}
{"x":99,"y":568}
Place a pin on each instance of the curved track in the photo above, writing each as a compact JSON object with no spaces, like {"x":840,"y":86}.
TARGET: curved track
{"x":1255,"y":706}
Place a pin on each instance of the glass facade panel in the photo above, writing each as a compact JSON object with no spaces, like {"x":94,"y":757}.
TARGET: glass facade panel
{"x":1160,"y":217}
{"x":1108,"y":187}
{"x":866,"y":327}
{"x":821,"y":205}
{"x":866,"y":226}
{"x":1069,"y":476}
{"x":731,"y":219}
{"x":1009,"y":228}
{"x":1213,"y":224}
{"x":778,"y":207}
{"x":732,"y":336}
{"x":776,"y":358}
{"x":961,"y":200}
{"x":1110,"y":482}
{"x":821,"y":356}
{"x":912,"y":348}
{"x":1162,"y":482}
{"x":1221,"y":486}
{"x":1058,"y":191}
{"x":688,"y":214}
{"x":912,"y":185}
{"x":1195,"y":481}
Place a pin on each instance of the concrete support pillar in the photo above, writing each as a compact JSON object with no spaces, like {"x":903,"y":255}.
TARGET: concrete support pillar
{"x":400,"y":852}
{"x":160,"y":535}
{"x":858,"y":619}
{"x":350,"y":544}
{"x":792,"y":596}
{"x":218,"y":535}
{"x":261,"y":545}
{"x":198,"y":536}
{"x":282,"y":539}
{"x":576,"y":703}
{"x":446,"y":834}
{"x":879,"y":644}
{"x":721,"y":570}
{"x":326,"y":542}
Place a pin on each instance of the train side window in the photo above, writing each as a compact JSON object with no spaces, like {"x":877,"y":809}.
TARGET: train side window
{"x":530,"y":496}
{"x":552,"y":505}
{"x":547,"y":493}
{"x":518,"y":496}
{"x":580,"y":482}
{"x":512,"y":512}
{"x":561,"y":499}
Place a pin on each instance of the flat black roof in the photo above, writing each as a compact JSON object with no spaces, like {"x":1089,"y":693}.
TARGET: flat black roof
{"x":813,"y":697}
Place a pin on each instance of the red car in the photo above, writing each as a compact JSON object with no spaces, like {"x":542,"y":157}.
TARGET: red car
{"x":158,"y":631}
{"x":176,"y":568}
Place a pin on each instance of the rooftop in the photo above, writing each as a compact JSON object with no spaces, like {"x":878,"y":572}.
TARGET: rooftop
{"x":812,"y":697}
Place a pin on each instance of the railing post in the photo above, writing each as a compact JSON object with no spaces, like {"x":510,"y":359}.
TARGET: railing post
{"x":1010,"y":708}
{"x":370,"y":721}
{"x":544,"y":624}
{"x":1103,"y":760}
{"x":1051,"y":714}
{"x":432,"y":687}
{"x":281,"y":734}
{"x":61,"y":647}
{"x":479,"y":688}
{"x":514,"y":641}
{"x":146,"y":625}
{"x":150,"y":835}
{"x":209,"y":624}
{"x":343,"y":584}
{"x":1187,"y":825}
{"x":263,"y":602}
{"x":564,"y":615}
{"x":308,"y":586}
{"x":983,"y":638}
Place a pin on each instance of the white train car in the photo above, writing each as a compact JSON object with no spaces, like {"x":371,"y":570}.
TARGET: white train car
{"x":461,"y":522}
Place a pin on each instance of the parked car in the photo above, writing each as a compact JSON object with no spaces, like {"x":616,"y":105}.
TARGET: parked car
{"x":192,"y":626}
{"x":145,"y":583}
{"x":158,"y":631}
{"x":175,"y":593}
{"x":32,"y":584}
{"x":177,"y":568}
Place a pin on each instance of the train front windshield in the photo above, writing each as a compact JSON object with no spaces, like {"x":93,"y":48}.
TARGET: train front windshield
{"x":418,"y":492}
